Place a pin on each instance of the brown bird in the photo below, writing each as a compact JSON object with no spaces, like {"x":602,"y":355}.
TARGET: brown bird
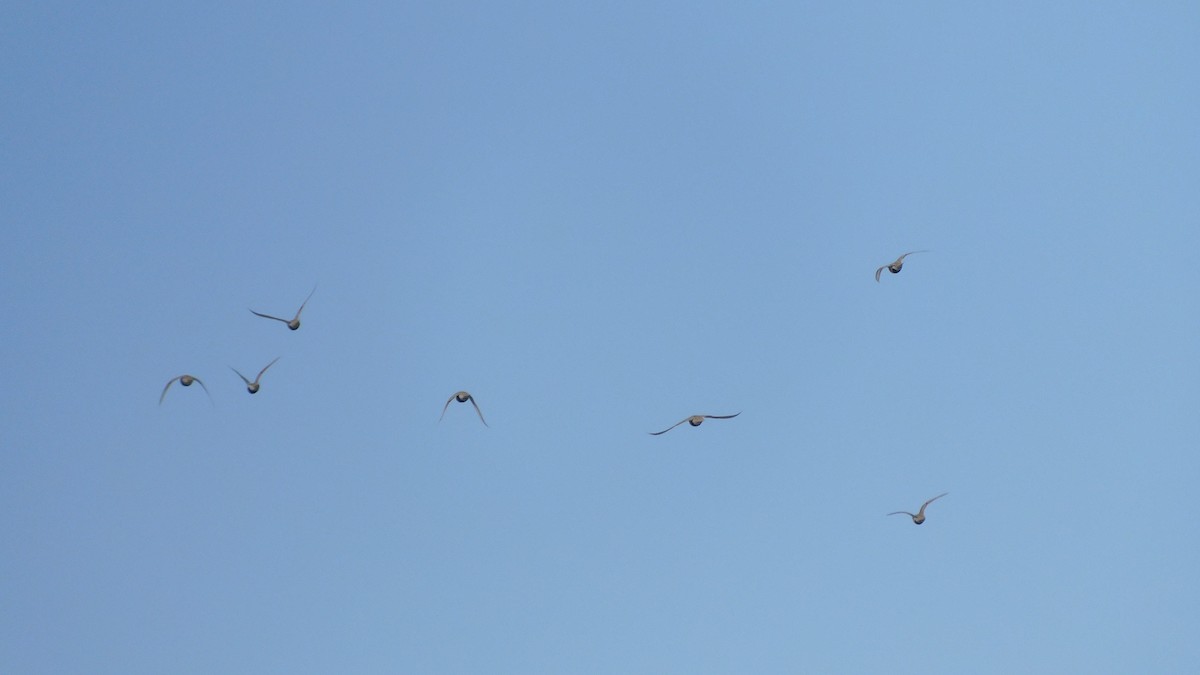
{"x":919,"y":516}
{"x":294,"y":324}
{"x":895,"y":266}
{"x":185,"y":380}
{"x":695,"y":421}
{"x":463,"y":397}
{"x":253,"y":387}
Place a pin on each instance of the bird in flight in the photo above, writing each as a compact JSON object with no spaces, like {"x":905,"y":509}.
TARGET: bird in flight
{"x":695,"y":421}
{"x":294,"y":324}
{"x":253,"y":387}
{"x":919,"y":516}
{"x":185,"y":380}
{"x":463,"y":397}
{"x":896,"y":265}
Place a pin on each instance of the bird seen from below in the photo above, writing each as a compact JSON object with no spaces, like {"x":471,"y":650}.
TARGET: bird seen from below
{"x":185,"y":380}
{"x":253,"y":387}
{"x":896,"y":265}
{"x":463,"y":397}
{"x":695,"y":420}
{"x":919,"y":516}
{"x":294,"y":323}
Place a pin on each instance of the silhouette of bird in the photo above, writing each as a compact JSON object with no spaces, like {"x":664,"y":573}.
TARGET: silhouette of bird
{"x":294,"y":324}
{"x":185,"y":380}
{"x":253,"y":387}
{"x":695,"y":421}
{"x":919,"y":516}
{"x":463,"y":397}
{"x":895,"y":266}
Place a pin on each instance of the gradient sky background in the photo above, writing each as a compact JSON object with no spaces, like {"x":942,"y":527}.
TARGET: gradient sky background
{"x":600,"y":218}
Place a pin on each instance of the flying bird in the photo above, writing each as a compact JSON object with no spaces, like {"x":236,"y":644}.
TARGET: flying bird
{"x":695,"y":421}
{"x":919,"y":516}
{"x":294,"y":324}
{"x":253,"y":387}
{"x":895,"y":266}
{"x":185,"y":380}
{"x":463,"y":397}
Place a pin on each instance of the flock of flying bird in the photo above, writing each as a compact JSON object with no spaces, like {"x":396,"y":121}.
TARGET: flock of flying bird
{"x":186,"y":380}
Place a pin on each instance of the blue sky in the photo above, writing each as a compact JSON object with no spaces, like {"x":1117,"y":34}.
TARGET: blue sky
{"x":599,"y":218}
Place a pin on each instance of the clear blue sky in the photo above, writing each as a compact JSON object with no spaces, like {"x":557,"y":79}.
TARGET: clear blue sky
{"x":600,"y":218}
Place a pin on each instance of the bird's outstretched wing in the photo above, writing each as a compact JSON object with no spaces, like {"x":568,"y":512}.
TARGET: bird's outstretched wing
{"x":267,"y":316}
{"x":248,"y":382}
{"x":659,"y":433}
{"x":310,"y":294}
{"x":260,"y":373}
{"x":477,"y":411}
{"x":447,"y":405}
{"x":931,"y":501}
{"x":169,"y":383}
{"x":210,"y":398}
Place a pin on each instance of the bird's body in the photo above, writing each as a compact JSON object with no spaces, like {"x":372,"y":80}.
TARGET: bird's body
{"x":186,"y":381}
{"x":294,"y":322}
{"x":253,"y":387}
{"x":919,"y":516}
{"x":896,"y":265}
{"x":695,"y":420}
{"x":463,"y":397}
